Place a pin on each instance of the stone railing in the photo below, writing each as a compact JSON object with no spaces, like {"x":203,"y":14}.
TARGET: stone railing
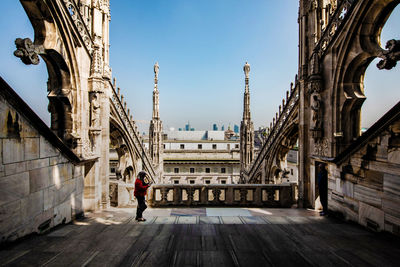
{"x":336,"y":22}
{"x":266,"y":195}
{"x":130,"y":127}
{"x":274,"y":130}
{"x":80,"y":24}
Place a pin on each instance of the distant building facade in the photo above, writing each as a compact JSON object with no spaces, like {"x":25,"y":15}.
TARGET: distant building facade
{"x":200,"y":157}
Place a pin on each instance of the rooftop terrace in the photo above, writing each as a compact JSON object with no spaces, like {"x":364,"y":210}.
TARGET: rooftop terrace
{"x":205,"y":237}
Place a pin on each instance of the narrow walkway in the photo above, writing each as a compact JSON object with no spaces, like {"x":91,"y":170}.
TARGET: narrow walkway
{"x":205,"y":237}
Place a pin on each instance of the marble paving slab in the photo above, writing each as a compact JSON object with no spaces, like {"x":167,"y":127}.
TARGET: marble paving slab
{"x":165,"y":220}
{"x":228,"y":212}
{"x":188,"y":212}
{"x":277,"y":220}
{"x":209,"y":220}
{"x":231,"y":220}
{"x":156,"y":212}
{"x":187,"y":219}
{"x":253,"y":220}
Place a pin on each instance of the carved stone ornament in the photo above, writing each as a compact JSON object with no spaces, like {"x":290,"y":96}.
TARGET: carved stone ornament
{"x":389,"y":56}
{"x":27,"y":51}
{"x":246,"y":69}
{"x":94,"y":110}
{"x":321,"y":147}
{"x":97,"y":63}
{"x":87,"y":148}
{"x":315,"y":78}
{"x":80,"y":24}
{"x":316,"y":115}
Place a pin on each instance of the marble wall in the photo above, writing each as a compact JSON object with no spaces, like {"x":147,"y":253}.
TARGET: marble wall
{"x":365,"y":188}
{"x":39,"y":186}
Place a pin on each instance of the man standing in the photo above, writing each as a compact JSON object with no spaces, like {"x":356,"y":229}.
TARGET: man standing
{"x":323,"y":188}
{"x":140,"y":192}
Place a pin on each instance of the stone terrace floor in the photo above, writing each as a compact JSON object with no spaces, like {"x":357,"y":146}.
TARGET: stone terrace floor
{"x":205,"y":237}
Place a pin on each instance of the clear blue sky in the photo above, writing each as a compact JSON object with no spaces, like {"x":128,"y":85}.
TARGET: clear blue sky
{"x":201,"y":47}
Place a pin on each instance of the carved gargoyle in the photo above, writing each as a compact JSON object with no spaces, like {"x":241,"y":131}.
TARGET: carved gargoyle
{"x":27,"y":51}
{"x":389,"y":56}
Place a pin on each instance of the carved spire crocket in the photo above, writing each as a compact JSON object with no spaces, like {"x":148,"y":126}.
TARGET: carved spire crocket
{"x":246,"y":127}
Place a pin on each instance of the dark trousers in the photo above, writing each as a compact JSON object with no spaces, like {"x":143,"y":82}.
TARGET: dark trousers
{"x":140,"y":207}
{"x":323,"y":196}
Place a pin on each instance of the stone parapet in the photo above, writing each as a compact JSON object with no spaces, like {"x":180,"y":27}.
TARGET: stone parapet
{"x":41,"y":181}
{"x":266,"y":195}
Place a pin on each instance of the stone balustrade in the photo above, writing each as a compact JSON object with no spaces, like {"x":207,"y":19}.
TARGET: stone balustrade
{"x":259,"y":195}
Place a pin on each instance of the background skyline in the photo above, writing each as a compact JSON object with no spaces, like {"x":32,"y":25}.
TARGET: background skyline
{"x":201,"y":47}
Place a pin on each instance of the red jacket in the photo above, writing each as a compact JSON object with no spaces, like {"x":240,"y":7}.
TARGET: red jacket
{"x":140,"y":188}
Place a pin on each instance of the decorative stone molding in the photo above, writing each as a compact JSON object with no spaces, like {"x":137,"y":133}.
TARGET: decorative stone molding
{"x":336,"y":21}
{"x":389,"y":56}
{"x":315,"y":78}
{"x":321,"y":147}
{"x":27,"y":51}
{"x":79,"y":23}
{"x":87,"y":151}
{"x":96,"y":69}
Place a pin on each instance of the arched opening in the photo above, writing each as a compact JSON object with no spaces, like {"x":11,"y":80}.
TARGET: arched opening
{"x":123,"y":168}
{"x":283,"y":167}
{"x":381,"y":86}
{"x":360,"y":47}
{"x":59,"y":95}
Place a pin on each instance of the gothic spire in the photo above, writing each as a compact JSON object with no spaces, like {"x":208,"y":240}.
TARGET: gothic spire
{"x":156,"y":111}
{"x":246,"y":128}
{"x":246,"y":102}
{"x":155,"y":131}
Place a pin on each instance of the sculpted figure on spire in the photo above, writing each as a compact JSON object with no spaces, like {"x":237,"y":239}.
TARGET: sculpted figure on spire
{"x":156,"y":67}
{"x":246,"y":69}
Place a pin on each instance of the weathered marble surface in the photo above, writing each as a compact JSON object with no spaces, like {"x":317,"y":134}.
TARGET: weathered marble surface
{"x":39,"y":186}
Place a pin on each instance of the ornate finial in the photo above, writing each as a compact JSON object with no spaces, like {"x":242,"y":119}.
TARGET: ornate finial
{"x":122,"y":98}
{"x":280,"y":110}
{"x":283,"y":102}
{"x":389,"y":56}
{"x":287,"y":95}
{"x":27,"y":51}
{"x":118,"y":91}
{"x":246,"y":69}
{"x":156,"y":68}
{"x":115,"y":82}
{"x":129,"y":112}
